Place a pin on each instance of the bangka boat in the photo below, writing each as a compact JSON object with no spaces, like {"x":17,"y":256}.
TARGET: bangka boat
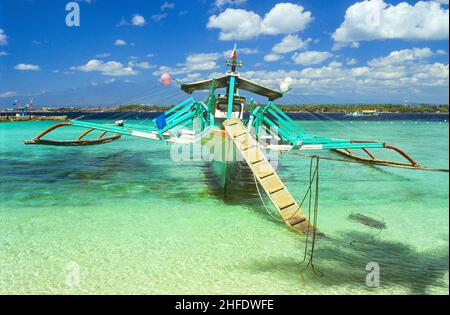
{"x":218,"y":124}
{"x":364,"y":113}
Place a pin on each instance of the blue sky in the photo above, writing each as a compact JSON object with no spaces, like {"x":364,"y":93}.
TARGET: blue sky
{"x":335,"y":51}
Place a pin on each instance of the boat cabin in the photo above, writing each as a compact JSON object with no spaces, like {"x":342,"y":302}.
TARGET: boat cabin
{"x":222,"y":107}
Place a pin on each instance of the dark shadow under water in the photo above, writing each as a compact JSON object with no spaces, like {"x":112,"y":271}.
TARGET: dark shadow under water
{"x":344,"y":264}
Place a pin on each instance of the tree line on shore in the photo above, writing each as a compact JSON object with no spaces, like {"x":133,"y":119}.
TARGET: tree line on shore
{"x":329,"y":108}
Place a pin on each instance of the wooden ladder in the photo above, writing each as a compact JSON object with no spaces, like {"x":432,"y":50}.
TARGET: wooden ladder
{"x":266,"y":176}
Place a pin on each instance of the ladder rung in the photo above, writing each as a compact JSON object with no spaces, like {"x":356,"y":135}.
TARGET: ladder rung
{"x":296,"y":220}
{"x":248,"y":148}
{"x":247,"y":144}
{"x":275,"y":191}
{"x":283,"y":199}
{"x":290,"y":212}
{"x":254,"y":156}
{"x":272,"y":184}
{"x":257,"y":161}
{"x":287,"y":205}
{"x":262,"y":170}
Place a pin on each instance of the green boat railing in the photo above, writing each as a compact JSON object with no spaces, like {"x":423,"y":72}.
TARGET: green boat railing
{"x":279,"y":124}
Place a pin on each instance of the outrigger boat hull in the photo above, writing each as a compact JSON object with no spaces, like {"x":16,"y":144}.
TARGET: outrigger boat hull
{"x":73,"y":143}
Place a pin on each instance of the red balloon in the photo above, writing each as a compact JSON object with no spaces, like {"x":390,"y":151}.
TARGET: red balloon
{"x":166,"y":79}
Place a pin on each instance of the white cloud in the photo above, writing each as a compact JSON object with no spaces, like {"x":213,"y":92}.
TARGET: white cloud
{"x":199,"y":62}
{"x":192,"y":77}
{"x":27,"y":67}
{"x":248,"y":51}
{"x":441,"y":52}
{"x":290,"y":43}
{"x":3,"y":53}
{"x":236,"y":24}
{"x":86,"y":1}
{"x":286,"y":18}
{"x":335,"y":64}
{"x":375,"y":19}
{"x":103,"y":55}
{"x":3,"y":38}
{"x":167,"y":5}
{"x":242,"y":51}
{"x":272,"y":57}
{"x":399,"y":57}
{"x":142,"y":65}
{"x":123,"y":22}
{"x":223,"y":3}
{"x":138,"y":20}
{"x":8,"y":94}
{"x":362,"y":84}
{"x":239,"y":24}
{"x":159,"y":17}
{"x":432,"y":72}
{"x":351,"y":62}
{"x":120,"y":42}
{"x":311,"y":57}
{"x":194,"y":63}
{"x":111,"y":68}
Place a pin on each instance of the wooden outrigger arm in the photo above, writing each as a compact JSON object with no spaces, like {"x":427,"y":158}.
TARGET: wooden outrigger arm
{"x":373,"y":160}
{"x":79,"y":141}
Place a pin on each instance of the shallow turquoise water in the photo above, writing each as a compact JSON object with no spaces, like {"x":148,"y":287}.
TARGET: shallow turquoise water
{"x":136,"y":222}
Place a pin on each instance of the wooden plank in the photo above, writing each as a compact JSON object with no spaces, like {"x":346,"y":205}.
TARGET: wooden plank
{"x":253,"y":155}
{"x":283,"y":199}
{"x":290,"y":212}
{"x":296,"y":220}
{"x":272,"y":184}
{"x":262,"y":170}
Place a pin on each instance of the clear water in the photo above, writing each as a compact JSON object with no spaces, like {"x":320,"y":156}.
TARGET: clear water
{"x":136,"y":222}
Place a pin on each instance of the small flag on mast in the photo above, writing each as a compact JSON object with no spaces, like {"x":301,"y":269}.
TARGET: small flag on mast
{"x":232,"y":61}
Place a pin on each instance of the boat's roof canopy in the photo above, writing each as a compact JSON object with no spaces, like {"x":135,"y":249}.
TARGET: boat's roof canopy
{"x":241,"y":84}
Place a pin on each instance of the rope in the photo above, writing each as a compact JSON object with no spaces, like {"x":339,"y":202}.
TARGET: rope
{"x":309,"y":212}
{"x":315,"y":219}
{"x":264,"y":204}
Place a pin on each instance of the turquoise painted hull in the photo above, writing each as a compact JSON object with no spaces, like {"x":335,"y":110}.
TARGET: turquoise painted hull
{"x":227,"y":163}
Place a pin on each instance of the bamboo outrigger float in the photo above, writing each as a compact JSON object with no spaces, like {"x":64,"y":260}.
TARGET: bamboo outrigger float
{"x":220,"y":120}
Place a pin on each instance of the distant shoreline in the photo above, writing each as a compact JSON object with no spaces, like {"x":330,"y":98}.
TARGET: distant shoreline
{"x":86,"y":111}
{"x":295,"y":115}
{"x":317,"y":108}
{"x":286,"y":111}
{"x":293,"y":109}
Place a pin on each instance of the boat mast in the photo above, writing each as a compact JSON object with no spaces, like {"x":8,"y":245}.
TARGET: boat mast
{"x":231,"y":89}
